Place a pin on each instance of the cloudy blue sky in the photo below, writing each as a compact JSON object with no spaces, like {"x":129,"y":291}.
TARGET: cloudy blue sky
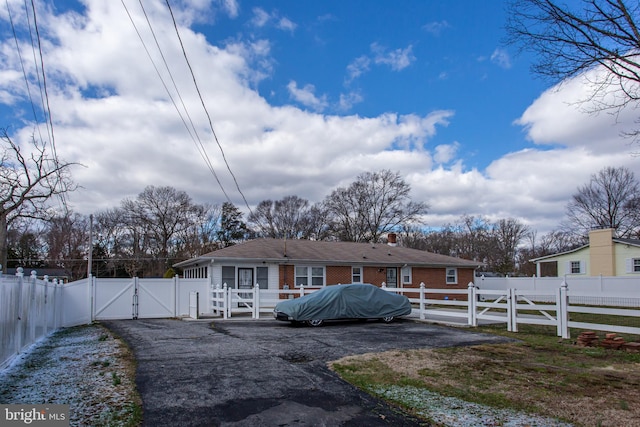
{"x":303,"y":96}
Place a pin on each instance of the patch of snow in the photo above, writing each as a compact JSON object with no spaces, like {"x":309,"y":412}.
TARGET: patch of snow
{"x":85,"y":367}
{"x":454,"y":412}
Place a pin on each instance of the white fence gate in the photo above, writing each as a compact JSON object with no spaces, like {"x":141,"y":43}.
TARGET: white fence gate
{"x":134,"y":298}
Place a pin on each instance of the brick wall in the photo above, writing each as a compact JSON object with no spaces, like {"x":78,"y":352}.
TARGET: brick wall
{"x":338,"y":274}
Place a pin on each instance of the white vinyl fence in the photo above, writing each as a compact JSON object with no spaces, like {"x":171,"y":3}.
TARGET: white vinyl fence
{"x":544,"y":305}
{"x":31,"y":308}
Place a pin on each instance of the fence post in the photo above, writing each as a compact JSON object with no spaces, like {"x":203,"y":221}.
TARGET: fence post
{"x":423,"y":308}
{"x":176,"y":297}
{"x":471,"y":305}
{"x":45,"y":306}
{"x":225,"y":299}
{"x":301,"y":290}
{"x":563,"y":310}
{"x":18,"y":331}
{"x":55,"y":301}
{"x":256,"y":301}
{"x":93,"y":290}
{"x":33,"y":309}
{"x":512,"y":311}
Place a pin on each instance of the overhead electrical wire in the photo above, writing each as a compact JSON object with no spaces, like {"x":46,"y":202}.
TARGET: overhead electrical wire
{"x":196,"y":138}
{"x":42,"y":85}
{"x":184,"y":52}
{"x":24,"y":71}
{"x":46,"y":105}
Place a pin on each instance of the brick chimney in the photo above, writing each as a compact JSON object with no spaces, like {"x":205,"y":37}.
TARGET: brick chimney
{"x":392,"y":239}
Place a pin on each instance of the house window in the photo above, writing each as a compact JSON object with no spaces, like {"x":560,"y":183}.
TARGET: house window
{"x":229,"y":276}
{"x":262,"y":277}
{"x":633,"y":265}
{"x":406,"y":275}
{"x":576,"y":267}
{"x":356,"y":274}
{"x":309,"y":276}
{"x":452,"y":276}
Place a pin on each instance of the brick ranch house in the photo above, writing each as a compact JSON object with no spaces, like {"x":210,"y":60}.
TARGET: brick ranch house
{"x":289,"y":264}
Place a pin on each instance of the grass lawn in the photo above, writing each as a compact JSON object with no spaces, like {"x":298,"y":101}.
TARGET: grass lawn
{"x":541,"y":374}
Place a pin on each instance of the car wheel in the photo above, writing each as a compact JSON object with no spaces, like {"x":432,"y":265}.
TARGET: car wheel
{"x":315,"y":322}
{"x":387,"y":319}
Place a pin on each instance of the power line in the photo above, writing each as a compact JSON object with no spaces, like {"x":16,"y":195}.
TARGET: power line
{"x":42,"y":85}
{"x":24,"y":71}
{"x":200,"y":146}
{"x":175,"y":25}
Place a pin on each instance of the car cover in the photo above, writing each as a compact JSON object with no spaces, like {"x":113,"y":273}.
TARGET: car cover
{"x":351,"y":301}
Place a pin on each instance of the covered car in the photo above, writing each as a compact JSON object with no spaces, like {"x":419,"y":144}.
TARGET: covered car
{"x":351,"y":301}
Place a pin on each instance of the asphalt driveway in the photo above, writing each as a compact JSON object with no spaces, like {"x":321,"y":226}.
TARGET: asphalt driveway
{"x":267,"y":373}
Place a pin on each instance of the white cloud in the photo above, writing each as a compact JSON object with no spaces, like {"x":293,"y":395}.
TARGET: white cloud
{"x":446,"y":152}
{"x":348,"y":100}
{"x":501,"y":58}
{"x":398,"y":59}
{"x":113,"y":115}
{"x":357,"y":67}
{"x":286,"y":24}
{"x":231,"y":7}
{"x":436,"y":27}
{"x":306,"y":96}
{"x":262,"y":18}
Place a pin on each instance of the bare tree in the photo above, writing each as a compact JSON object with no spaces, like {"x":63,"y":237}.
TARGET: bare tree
{"x":202,"y":234}
{"x":611,"y":199}
{"x":67,"y":242}
{"x":376,"y":203}
{"x":602,"y":36}
{"x":27,"y":182}
{"x":160,"y":214}
{"x":286,"y":218}
{"x":506,"y":235}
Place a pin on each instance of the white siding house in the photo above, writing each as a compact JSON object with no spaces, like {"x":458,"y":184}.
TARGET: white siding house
{"x":605,"y":255}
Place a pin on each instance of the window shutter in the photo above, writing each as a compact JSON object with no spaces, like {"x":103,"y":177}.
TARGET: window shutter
{"x":629,"y":265}
{"x":582,"y":267}
{"x":567,"y":267}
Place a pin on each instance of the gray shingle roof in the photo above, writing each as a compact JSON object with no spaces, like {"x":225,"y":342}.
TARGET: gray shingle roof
{"x":336,"y":253}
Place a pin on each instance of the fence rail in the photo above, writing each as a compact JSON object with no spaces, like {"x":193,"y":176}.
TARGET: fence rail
{"x":471,"y":306}
{"x":31,"y":308}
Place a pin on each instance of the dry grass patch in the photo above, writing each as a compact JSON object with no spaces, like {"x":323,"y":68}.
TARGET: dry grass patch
{"x":585,"y":386}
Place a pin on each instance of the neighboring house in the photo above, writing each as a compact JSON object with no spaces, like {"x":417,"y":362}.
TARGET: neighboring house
{"x":282,"y":264}
{"x":605,"y":255}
